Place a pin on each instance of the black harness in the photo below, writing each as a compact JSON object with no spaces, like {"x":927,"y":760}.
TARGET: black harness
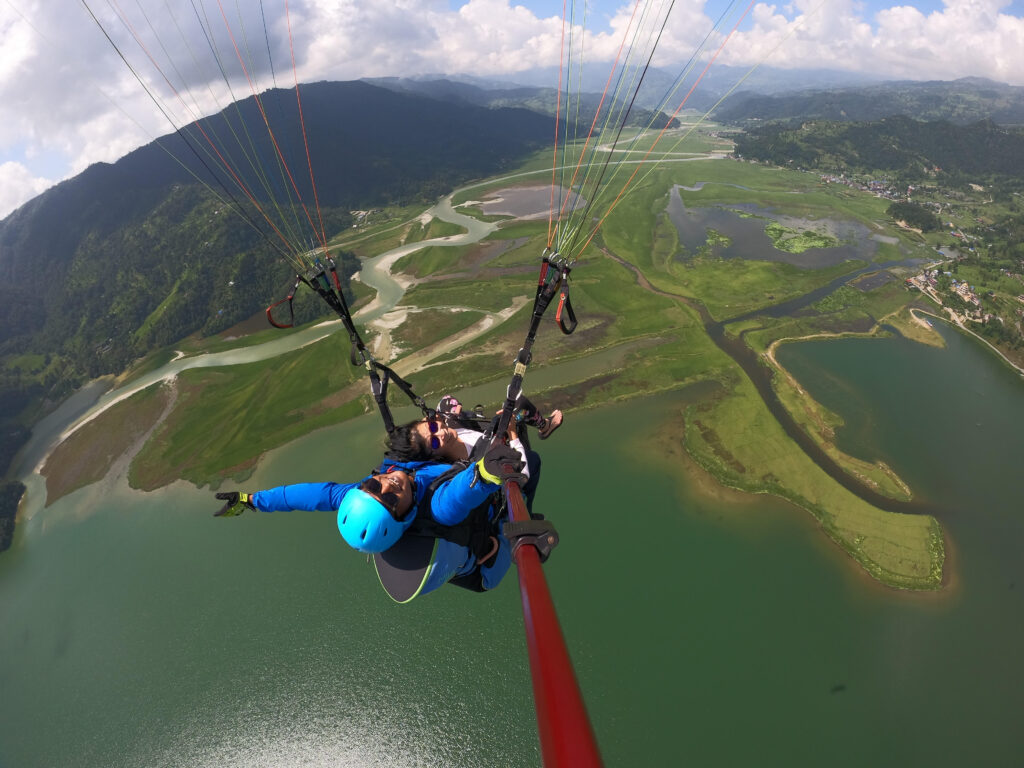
{"x":475,"y":531}
{"x":403,"y":567}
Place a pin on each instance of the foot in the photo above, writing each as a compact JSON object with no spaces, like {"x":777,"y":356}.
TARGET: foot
{"x":551,"y":423}
{"x":449,"y":404}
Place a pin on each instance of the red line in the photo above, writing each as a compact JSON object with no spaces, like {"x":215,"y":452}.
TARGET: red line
{"x":266,"y":122}
{"x":198,"y":124}
{"x":305,"y":141}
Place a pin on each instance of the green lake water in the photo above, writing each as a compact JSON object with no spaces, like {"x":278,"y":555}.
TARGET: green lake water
{"x":140,"y":631}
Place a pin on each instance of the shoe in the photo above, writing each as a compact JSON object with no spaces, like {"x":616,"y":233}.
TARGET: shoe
{"x":551,"y":423}
{"x":448,"y":404}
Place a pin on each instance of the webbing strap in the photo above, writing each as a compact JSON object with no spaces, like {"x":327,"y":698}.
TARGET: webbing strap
{"x":569,"y":324}
{"x":379,"y":387}
{"x":287,"y":300}
{"x":554,"y":278}
{"x":475,"y":530}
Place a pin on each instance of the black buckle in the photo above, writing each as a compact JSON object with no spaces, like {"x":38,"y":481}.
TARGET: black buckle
{"x":540,"y":533}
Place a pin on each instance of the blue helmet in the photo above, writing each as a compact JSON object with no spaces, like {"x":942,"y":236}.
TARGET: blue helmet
{"x":367,"y":525}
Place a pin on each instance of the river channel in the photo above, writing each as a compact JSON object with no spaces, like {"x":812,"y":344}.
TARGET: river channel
{"x":707,"y":627}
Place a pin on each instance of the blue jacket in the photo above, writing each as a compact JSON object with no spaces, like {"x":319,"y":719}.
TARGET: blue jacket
{"x":449,"y":505}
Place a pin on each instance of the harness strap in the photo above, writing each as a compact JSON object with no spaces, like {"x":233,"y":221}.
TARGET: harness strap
{"x":569,"y":324}
{"x":554,"y":275}
{"x":291,"y":311}
{"x":474,"y":532}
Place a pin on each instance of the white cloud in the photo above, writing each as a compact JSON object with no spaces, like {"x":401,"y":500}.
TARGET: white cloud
{"x":18,"y":186}
{"x":349,"y":39}
{"x":967,"y":37}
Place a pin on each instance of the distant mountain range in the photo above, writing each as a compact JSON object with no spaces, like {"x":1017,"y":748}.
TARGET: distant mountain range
{"x":767,"y":95}
{"x":960,"y":101}
{"x":911,"y":148}
{"x":658,"y":82}
{"x":538,"y":99}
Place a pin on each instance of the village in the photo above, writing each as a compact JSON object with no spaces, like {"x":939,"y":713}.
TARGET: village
{"x":930,"y":282}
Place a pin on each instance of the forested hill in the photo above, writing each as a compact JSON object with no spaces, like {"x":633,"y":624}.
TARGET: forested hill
{"x":137,"y":254}
{"x":370,"y":146}
{"x":911,"y":148}
{"x":960,"y":101}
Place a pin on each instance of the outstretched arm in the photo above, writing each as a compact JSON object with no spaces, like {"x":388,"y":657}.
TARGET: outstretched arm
{"x":312,"y":497}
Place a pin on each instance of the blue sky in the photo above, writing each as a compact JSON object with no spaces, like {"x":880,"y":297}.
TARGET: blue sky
{"x":67,"y":100}
{"x":607,"y":8}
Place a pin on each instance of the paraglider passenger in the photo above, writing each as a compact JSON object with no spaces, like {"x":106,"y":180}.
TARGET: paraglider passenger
{"x":526,"y":414}
{"x":450,"y":437}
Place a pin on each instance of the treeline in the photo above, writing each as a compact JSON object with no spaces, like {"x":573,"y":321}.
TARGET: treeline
{"x":1005,"y":240}
{"x":538,"y":99}
{"x":1002,"y":333}
{"x":908,"y":148}
{"x":915,"y":216}
{"x":190,"y":265}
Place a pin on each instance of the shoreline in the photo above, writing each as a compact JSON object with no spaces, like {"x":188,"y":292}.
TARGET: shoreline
{"x":842,"y":458}
{"x":168,"y":377}
{"x":957,"y":324}
{"x":708,"y":485}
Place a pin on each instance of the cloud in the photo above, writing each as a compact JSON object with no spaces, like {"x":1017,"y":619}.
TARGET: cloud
{"x":18,"y":186}
{"x":966,"y":37}
{"x":413,"y":37}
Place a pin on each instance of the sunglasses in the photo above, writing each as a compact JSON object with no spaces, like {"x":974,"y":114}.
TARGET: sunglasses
{"x":434,"y":427}
{"x":389,"y":499}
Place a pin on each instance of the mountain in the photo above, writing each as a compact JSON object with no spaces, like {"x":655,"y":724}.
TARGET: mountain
{"x":134,"y":255}
{"x":961,"y":101}
{"x":912,"y":148}
{"x":768,"y":94}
